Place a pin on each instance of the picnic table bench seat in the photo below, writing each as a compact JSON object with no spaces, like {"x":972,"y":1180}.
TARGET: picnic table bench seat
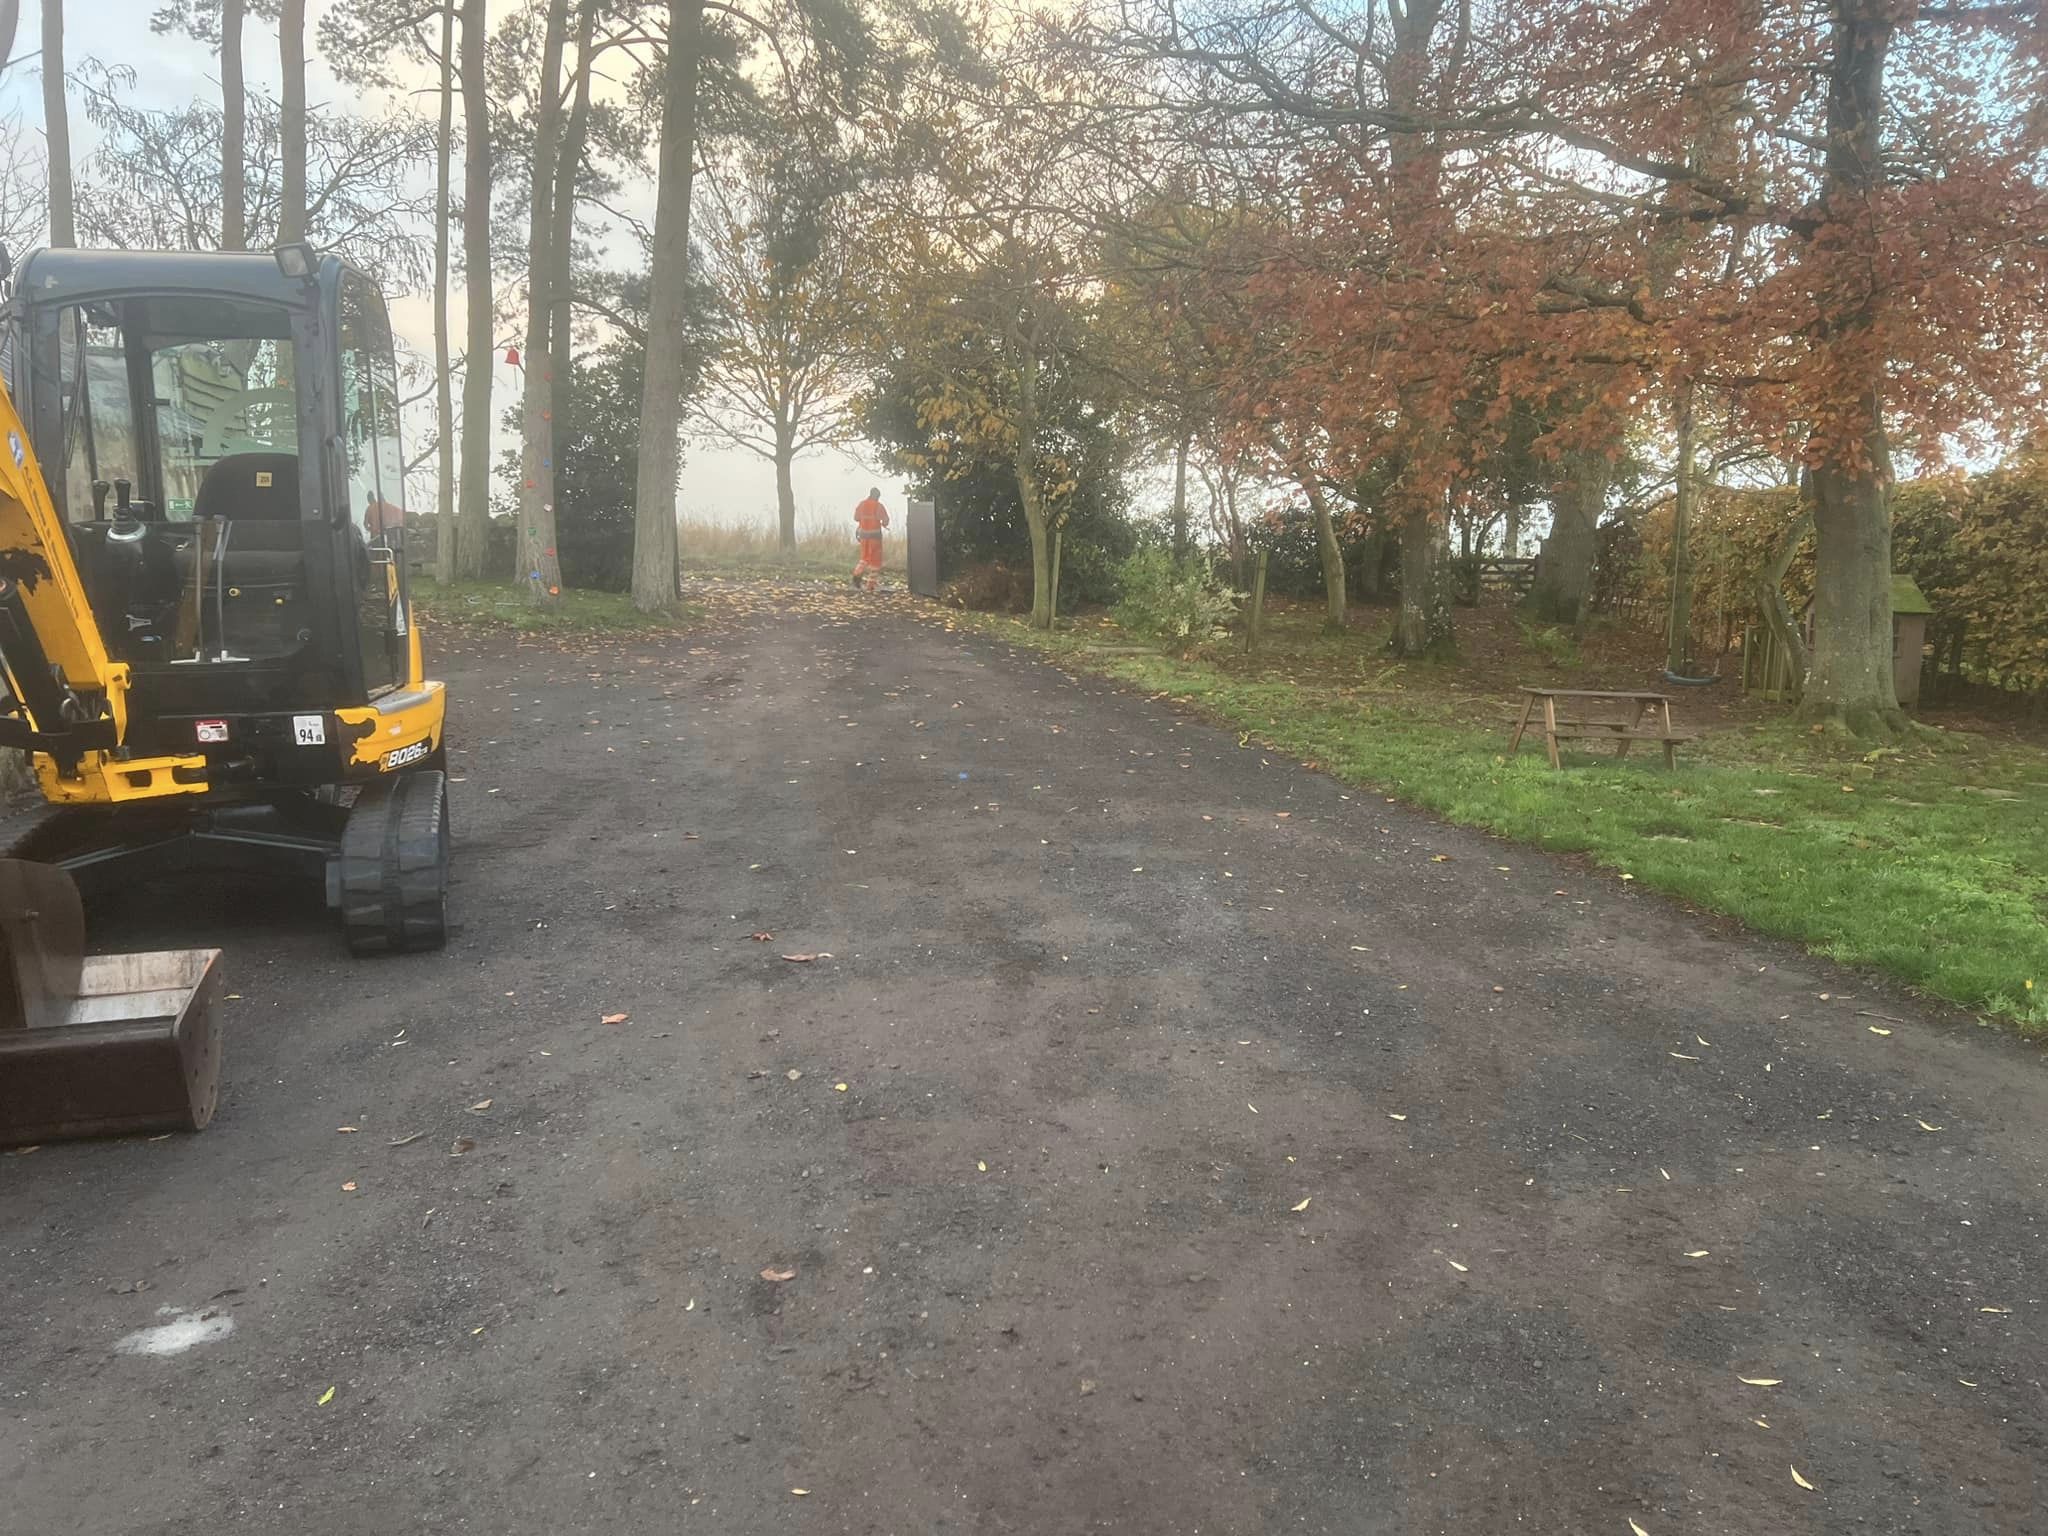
{"x":1649,"y":720}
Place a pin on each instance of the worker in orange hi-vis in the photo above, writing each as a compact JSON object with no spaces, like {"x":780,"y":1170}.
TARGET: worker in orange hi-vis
{"x":869,"y":519}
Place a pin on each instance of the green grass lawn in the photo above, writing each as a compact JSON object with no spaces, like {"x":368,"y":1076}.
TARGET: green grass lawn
{"x":1929,"y":861}
{"x":500,"y":605}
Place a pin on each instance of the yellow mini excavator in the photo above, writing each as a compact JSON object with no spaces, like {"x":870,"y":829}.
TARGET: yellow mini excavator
{"x":206,"y":641}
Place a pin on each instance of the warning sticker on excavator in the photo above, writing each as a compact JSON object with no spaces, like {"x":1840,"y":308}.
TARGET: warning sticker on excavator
{"x":309,"y":730}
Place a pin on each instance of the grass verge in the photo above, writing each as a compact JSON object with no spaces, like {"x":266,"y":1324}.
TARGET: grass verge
{"x":498,"y":605}
{"x":1929,"y":861}
{"x":822,"y":549}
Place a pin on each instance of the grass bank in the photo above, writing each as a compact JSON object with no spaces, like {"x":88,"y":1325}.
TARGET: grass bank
{"x":1928,"y":861}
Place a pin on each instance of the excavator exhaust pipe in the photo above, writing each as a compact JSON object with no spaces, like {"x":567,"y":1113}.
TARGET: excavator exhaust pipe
{"x":97,"y":1045}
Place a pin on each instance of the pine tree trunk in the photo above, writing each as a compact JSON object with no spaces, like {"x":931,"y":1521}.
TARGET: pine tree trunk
{"x":656,"y":578}
{"x":291,"y":49}
{"x":1850,"y":682}
{"x":539,"y":566}
{"x":568,"y":167}
{"x":444,"y":382}
{"x":785,"y":486}
{"x":234,"y":119}
{"x":473,"y":513}
{"x":57,"y":126}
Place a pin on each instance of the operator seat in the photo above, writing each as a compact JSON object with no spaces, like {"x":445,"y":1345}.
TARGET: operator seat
{"x":253,"y":485}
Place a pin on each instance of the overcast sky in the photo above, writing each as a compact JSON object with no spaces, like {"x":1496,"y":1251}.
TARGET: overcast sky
{"x":723,"y":484}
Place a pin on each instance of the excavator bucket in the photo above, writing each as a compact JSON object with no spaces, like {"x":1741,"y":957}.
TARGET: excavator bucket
{"x":97,"y":1045}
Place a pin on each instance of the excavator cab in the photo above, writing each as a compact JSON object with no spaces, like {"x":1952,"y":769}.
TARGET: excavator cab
{"x":221,"y":440}
{"x":206,"y":633}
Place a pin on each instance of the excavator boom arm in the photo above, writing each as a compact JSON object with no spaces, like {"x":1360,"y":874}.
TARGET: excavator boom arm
{"x":70,"y":696}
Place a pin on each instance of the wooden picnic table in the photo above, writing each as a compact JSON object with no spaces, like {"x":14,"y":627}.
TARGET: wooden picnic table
{"x":1584,"y":727}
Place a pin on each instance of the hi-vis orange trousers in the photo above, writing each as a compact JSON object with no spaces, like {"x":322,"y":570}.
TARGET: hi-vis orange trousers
{"x":870,"y":563}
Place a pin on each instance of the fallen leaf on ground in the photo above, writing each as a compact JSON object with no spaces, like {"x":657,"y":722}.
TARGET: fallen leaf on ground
{"x":980,"y":1167}
{"x":1392,"y":1116}
{"x":615,"y":1018}
{"x":1460,"y":1268}
{"x":1875,"y":1030}
{"x":1636,"y":1528}
{"x":762,"y":937}
{"x":1440,"y":858}
{"x":1802,"y":1482}
{"x":479,"y":1106}
{"x":799,"y":959}
{"x":801,"y":1492}
{"x":1253,"y":1108}
{"x":1681,"y":1056}
{"x":461,"y":1145}
{"x":2001,"y":1311}
{"x":1665,"y":1172}
{"x":1696,"y":1253}
{"x":839,"y":1087}
{"x":1760,"y":1381}
{"x":776,"y":1276}
{"x":349,"y":1186}
{"x":345,"y":1130}
{"x":1924,"y":1125}
{"x":1303,"y":1206}
{"x":793,"y":1073}
{"x":326,"y":1397}
{"x":406,"y":1141}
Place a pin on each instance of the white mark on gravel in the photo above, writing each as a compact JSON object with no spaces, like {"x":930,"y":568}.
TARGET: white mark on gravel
{"x":177,"y":1333}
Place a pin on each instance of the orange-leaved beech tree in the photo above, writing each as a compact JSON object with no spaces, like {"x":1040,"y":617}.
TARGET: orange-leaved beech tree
{"x":1833,"y":218}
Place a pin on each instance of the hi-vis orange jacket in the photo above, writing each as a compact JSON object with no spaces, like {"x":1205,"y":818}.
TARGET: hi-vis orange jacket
{"x":870,"y":518}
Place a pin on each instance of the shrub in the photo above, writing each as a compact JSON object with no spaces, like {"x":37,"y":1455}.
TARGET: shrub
{"x":991,"y":587}
{"x":1181,"y":604}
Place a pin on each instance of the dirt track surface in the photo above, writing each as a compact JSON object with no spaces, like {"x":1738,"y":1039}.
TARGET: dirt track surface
{"x":1220,"y":1150}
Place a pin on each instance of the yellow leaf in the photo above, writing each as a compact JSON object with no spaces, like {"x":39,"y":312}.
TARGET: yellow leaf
{"x":1925,"y":1126}
{"x":1802,"y":1482}
{"x":2000,"y":1310}
{"x":1637,"y":1528}
{"x":1303,"y":1206}
{"x":1696,"y":1253}
{"x":1876,"y":1031}
{"x":1760,"y":1381}
{"x":801,"y":1492}
{"x":1461,"y":1269}
{"x":981,"y":1167}
{"x":326,"y":1397}
{"x":1392,"y":1116}
{"x":839,"y":1087}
